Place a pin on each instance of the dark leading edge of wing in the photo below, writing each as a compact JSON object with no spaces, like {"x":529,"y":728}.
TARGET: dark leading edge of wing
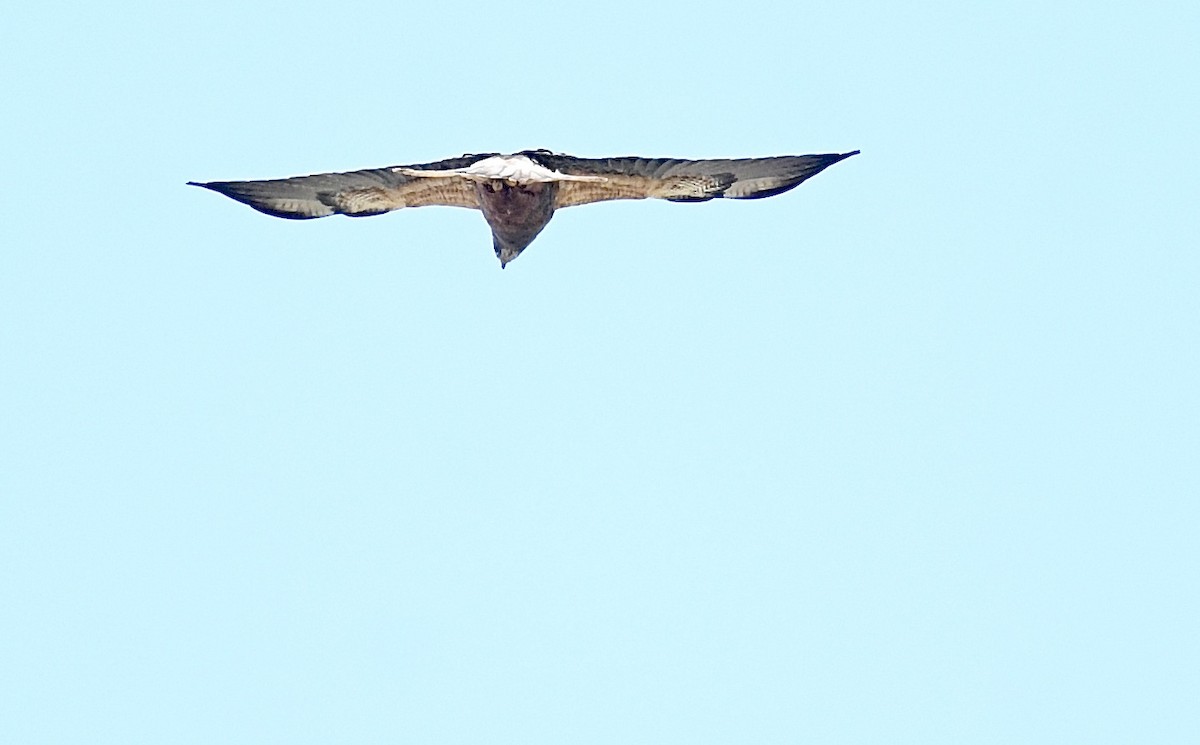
{"x":372,"y":191}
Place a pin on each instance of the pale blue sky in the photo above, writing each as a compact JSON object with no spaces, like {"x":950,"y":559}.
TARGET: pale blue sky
{"x":908,"y":454}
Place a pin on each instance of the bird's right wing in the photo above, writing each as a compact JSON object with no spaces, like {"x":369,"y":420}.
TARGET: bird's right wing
{"x":372,"y":191}
{"x":682,"y":180}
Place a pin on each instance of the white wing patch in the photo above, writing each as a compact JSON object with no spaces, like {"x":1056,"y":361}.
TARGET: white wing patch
{"x":515,"y":169}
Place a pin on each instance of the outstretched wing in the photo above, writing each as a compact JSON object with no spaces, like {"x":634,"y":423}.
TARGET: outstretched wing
{"x":356,"y":193}
{"x":681,"y":180}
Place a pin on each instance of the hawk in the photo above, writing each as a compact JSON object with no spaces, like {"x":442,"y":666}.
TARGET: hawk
{"x":519,"y":193}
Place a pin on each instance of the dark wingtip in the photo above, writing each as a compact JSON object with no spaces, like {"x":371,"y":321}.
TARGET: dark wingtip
{"x":222,"y":187}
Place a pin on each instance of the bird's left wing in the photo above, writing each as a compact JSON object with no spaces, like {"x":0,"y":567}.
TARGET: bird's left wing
{"x":372,"y":191}
{"x":681,"y":180}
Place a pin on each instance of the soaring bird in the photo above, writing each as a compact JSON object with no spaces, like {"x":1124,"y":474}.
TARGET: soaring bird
{"x":519,"y":193}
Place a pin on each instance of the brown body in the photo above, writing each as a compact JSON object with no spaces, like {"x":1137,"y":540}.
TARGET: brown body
{"x":516,"y":213}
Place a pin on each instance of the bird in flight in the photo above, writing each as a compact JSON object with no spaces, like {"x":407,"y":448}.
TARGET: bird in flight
{"x":519,"y":193}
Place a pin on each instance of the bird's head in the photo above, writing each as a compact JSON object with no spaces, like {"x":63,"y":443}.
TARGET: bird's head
{"x":507,"y":250}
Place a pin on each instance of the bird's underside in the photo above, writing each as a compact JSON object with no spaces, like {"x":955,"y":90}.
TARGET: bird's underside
{"x":519,"y":193}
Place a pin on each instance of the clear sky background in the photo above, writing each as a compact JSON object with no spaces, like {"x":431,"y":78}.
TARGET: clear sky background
{"x":909,"y":454}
